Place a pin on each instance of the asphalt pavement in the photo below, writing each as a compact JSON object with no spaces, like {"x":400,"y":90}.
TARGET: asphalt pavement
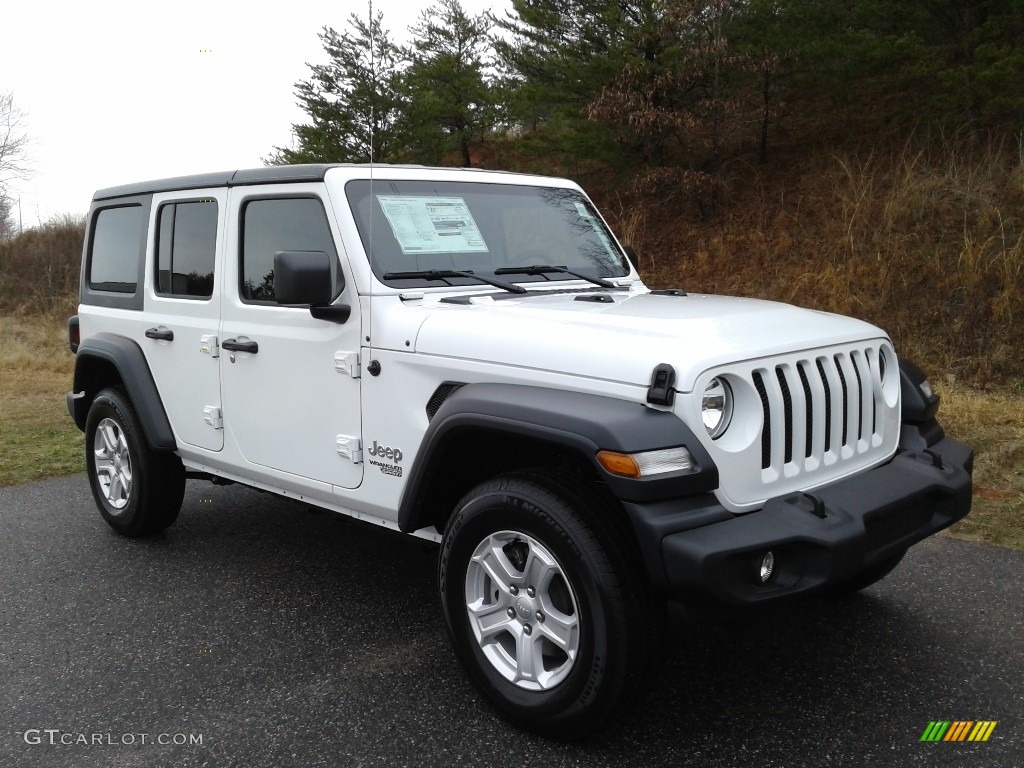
{"x":257,"y":633}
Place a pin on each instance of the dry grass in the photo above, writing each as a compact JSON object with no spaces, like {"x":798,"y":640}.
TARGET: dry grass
{"x":37,"y":437}
{"x":993,"y":423}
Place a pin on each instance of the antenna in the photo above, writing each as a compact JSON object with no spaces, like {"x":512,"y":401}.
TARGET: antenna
{"x":373,"y":94}
{"x":373,"y":202}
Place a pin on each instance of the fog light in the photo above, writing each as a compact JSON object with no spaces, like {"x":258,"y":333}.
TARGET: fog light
{"x":767,"y":567}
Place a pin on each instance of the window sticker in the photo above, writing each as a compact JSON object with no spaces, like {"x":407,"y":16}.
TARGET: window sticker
{"x":581,"y":209}
{"x":432,"y":224}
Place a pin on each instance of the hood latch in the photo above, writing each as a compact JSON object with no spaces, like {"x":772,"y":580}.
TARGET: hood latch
{"x":661,"y":391}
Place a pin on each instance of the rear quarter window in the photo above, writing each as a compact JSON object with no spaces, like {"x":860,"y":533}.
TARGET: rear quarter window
{"x":115,"y":249}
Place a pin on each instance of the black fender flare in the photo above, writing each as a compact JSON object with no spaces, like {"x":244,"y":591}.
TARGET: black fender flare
{"x":920,"y":428}
{"x":129,"y":361}
{"x":582,"y":422}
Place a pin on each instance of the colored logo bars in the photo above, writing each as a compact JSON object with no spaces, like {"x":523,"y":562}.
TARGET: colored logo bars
{"x":959,"y":730}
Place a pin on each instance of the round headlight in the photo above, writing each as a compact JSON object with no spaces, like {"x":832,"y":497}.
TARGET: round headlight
{"x":716,"y":407}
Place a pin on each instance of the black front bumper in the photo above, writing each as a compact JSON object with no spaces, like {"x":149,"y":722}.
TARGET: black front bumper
{"x":697,"y":550}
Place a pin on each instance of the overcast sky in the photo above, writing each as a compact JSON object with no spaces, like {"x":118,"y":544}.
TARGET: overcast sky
{"x":116,"y":92}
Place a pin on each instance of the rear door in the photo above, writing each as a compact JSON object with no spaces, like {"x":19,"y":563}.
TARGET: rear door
{"x":291,"y":386}
{"x":183,"y":311}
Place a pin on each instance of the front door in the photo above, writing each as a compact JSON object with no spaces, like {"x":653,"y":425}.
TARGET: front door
{"x":290,"y":385}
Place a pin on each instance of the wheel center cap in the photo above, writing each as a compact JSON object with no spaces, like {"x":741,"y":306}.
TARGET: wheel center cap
{"x":524,"y":608}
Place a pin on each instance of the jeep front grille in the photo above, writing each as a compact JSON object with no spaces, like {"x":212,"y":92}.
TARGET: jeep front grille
{"x":818,"y":411}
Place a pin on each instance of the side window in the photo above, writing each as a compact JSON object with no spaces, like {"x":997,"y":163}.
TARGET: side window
{"x":280,"y":224}
{"x":116,"y":249}
{"x":186,"y":246}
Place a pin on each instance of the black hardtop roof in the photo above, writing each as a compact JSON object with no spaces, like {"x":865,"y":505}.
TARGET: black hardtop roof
{"x":273,"y":174}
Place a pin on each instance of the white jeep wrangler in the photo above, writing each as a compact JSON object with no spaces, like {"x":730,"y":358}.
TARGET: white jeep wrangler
{"x":469,"y":357}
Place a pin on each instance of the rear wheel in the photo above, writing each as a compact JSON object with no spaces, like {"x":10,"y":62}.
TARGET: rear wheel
{"x":137,"y":490}
{"x":545,"y":606}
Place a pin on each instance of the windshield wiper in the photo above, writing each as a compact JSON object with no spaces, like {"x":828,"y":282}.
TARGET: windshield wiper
{"x":444,"y":274}
{"x":540,"y":269}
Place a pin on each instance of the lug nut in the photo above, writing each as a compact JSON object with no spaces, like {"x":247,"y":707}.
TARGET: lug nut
{"x":527,"y":629}
{"x":514,"y":589}
{"x":540,"y":616}
{"x":531,"y":591}
{"x":511,"y":613}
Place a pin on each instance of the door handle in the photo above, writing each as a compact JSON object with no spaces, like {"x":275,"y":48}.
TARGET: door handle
{"x":240,"y":346}
{"x":163,"y":334}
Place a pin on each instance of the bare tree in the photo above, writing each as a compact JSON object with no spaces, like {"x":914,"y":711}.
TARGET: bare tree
{"x":13,"y":141}
{"x":13,"y":157}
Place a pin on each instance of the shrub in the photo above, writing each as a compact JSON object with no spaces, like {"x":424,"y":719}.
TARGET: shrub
{"x":39,"y":268}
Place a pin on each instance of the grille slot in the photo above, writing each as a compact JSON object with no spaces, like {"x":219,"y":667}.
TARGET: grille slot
{"x":808,"y":412}
{"x":787,"y":410}
{"x":766,"y":431}
{"x":846,"y":401}
{"x":828,"y":404}
{"x":860,"y":396}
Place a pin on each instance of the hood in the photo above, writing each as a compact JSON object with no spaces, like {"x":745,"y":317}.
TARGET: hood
{"x":623,"y":340}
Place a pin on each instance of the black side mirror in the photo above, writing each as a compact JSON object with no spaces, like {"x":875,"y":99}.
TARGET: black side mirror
{"x":302,"y":277}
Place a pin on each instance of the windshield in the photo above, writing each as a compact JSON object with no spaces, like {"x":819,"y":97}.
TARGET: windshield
{"x":447,"y":225}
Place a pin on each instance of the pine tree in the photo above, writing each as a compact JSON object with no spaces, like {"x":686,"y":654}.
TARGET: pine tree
{"x":354,"y":101}
{"x":450,"y":104}
{"x":557,"y":56}
{"x":683,"y":102}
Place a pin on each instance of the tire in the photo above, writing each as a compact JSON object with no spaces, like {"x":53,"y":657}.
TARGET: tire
{"x":137,"y":490}
{"x":869,"y":576}
{"x":546,"y":606}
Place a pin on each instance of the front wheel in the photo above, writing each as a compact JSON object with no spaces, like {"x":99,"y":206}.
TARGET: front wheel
{"x":544,"y":604}
{"x":137,"y":490}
